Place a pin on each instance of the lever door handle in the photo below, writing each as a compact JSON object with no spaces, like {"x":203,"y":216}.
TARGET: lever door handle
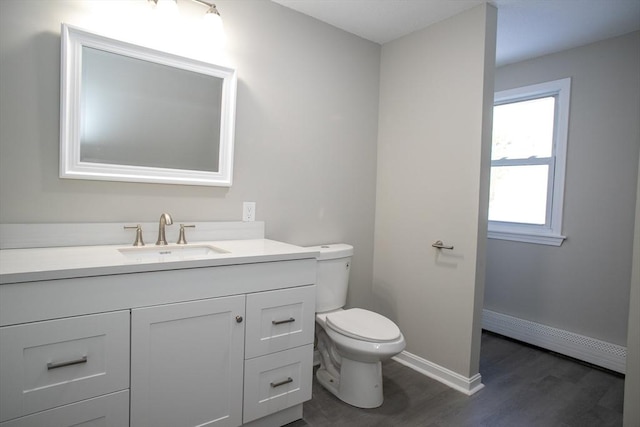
{"x":439,"y":245}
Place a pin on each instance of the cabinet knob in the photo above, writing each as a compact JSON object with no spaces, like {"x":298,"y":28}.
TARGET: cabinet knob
{"x":239,"y":319}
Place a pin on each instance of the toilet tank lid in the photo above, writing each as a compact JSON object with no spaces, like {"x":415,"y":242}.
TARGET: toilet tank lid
{"x":333,"y":251}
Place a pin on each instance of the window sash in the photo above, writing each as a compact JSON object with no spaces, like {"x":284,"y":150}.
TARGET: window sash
{"x":532,"y":98}
{"x":535,"y":161}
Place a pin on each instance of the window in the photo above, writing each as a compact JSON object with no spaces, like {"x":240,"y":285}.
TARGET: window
{"x":528,"y":155}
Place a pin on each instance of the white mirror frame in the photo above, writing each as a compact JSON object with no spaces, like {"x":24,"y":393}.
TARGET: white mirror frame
{"x":73,"y":40}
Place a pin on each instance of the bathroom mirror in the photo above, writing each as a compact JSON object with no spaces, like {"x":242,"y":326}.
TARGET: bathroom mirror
{"x":131,"y":113}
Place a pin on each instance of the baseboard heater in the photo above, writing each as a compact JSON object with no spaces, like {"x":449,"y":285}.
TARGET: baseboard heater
{"x":591,"y":350}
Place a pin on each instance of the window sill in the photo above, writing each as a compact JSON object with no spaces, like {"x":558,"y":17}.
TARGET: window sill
{"x":515,"y":236}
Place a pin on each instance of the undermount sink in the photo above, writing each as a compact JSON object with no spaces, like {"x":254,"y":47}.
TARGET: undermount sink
{"x":172,"y":252}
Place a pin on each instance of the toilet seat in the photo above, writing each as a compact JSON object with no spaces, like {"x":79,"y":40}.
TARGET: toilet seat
{"x":363,"y":325}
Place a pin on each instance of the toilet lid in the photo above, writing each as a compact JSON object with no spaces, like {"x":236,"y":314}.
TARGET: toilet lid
{"x":363,"y":324}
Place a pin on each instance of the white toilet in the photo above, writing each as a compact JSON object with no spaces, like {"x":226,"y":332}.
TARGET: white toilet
{"x":352,"y":342}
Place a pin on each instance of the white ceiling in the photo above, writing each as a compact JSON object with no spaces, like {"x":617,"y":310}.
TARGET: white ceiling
{"x":526,"y":28}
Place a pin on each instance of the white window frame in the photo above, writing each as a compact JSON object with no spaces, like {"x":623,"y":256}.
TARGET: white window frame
{"x":551,"y":232}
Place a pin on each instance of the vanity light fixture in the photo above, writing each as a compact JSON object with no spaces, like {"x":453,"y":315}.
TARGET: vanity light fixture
{"x":166,"y":5}
{"x":211,"y":14}
{"x":212,"y":19}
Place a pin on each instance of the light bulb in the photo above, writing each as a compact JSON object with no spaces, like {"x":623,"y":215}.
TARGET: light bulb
{"x":167,"y":6}
{"x":213,"y":24}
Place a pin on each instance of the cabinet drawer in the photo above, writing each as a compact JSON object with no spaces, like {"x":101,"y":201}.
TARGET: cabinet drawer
{"x":278,"y":320}
{"x":57,"y":362}
{"x":277,"y":381}
{"x":111,"y":410}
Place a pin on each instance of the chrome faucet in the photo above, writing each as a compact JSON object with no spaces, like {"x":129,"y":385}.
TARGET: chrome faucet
{"x":165,"y":219}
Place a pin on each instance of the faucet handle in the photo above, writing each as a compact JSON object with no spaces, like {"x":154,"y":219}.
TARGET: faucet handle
{"x":138,"y":241}
{"x":181,"y":239}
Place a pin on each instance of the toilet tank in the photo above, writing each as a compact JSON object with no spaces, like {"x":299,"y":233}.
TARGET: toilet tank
{"x":334,"y":263}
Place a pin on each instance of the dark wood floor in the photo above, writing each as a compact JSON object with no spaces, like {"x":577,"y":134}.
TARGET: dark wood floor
{"x":524,"y":386}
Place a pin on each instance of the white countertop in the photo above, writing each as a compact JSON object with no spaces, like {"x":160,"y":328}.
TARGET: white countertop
{"x":34,"y":264}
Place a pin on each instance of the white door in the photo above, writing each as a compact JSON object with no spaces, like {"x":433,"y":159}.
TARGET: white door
{"x":187,"y":363}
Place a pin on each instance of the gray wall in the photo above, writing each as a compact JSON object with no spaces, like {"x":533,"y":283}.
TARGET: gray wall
{"x":632,"y":374}
{"x":583,"y":285}
{"x":433,"y":143}
{"x":305,"y":137}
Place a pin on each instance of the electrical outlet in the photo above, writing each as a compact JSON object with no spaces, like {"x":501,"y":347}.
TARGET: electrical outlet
{"x":249,"y":211}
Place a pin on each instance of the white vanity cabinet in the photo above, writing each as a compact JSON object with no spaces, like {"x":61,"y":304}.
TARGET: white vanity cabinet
{"x":220,"y":345}
{"x":187,"y":363}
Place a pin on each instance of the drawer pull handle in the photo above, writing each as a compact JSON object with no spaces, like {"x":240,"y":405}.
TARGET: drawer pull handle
{"x":280,"y":322}
{"x":52,"y":365}
{"x":283,"y":382}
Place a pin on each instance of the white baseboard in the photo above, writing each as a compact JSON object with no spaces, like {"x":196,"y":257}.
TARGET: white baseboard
{"x":591,"y":350}
{"x":454,"y":380}
{"x":465,"y":385}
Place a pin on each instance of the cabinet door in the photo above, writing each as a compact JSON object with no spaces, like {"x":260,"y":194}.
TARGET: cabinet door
{"x":187,"y":363}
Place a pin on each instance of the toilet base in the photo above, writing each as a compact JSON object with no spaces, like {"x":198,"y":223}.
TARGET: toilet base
{"x":359,"y":385}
